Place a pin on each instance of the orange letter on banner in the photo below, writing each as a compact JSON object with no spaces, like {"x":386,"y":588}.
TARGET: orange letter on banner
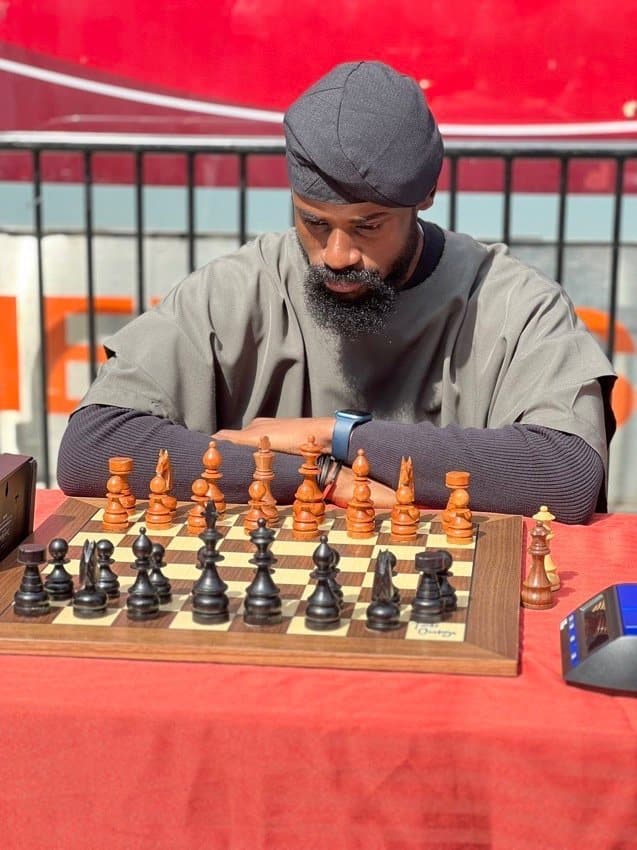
{"x":9,"y":375}
{"x":624,"y":398}
{"x":60,"y":353}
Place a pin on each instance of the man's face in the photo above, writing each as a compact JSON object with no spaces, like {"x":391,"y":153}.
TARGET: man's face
{"x":360,"y":255}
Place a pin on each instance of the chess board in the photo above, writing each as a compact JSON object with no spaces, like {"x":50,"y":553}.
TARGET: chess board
{"x":480,"y":637}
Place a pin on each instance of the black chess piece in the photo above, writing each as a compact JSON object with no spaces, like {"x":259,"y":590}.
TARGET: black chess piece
{"x":447,"y":591}
{"x":107,"y":580}
{"x":383,"y":614}
{"x":385,"y":569}
{"x":142,"y":602}
{"x":59,"y":582}
{"x":333,"y":582}
{"x":31,"y":599}
{"x":89,"y":601}
{"x":323,"y":611}
{"x":210,"y":603}
{"x":427,"y":605}
{"x":157,"y":578}
{"x":262,"y":603}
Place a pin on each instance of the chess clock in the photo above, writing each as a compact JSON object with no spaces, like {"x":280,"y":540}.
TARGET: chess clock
{"x":17,"y":500}
{"x":599,"y":640}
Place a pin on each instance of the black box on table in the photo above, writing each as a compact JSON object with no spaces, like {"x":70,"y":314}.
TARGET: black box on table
{"x":17,"y":500}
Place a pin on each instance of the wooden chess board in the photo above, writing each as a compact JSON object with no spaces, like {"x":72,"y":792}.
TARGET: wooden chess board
{"x":480,"y":637}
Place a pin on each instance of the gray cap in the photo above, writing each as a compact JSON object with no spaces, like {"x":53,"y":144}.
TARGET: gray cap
{"x":363,"y":132}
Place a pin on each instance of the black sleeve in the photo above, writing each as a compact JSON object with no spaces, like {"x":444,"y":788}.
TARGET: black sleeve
{"x":96,"y":433}
{"x":514,"y":469}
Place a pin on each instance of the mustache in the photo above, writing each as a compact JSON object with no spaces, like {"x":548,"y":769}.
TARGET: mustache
{"x":366,"y":277}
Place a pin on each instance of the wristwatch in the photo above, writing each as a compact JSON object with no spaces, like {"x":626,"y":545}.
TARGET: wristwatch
{"x":346,"y":421}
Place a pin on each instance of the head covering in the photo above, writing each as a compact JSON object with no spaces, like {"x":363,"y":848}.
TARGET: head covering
{"x":363,"y":132}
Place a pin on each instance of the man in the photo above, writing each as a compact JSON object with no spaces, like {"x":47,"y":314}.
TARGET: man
{"x":455,"y":353}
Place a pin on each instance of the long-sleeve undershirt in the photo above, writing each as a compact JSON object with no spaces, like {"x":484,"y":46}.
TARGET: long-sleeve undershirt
{"x":514,"y":469}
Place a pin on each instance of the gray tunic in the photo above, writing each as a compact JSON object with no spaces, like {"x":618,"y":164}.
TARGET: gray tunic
{"x":484,"y":342}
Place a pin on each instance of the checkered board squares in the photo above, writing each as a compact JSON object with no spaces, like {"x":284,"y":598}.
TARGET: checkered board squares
{"x":291,"y":574}
{"x":480,"y":637}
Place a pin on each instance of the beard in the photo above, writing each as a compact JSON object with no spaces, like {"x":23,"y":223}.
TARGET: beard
{"x":367,"y":314}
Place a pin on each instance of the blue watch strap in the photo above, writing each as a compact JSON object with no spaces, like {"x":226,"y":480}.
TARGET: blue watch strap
{"x":346,"y":421}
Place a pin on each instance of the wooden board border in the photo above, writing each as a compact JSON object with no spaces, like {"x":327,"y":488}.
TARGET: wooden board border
{"x":491,"y":645}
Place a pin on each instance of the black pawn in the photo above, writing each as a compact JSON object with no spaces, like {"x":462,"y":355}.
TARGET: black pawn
{"x":59,"y":582}
{"x":31,"y":599}
{"x":209,"y":600}
{"x":262,"y":603}
{"x":427,"y":606}
{"x":142,"y":602}
{"x":323,"y":611}
{"x":89,"y":601}
{"x":106,"y":579}
{"x":447,"y":591}
{"x":157,"y":578}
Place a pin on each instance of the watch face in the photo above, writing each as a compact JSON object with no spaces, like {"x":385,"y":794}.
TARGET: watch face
{"x":354,"y":414}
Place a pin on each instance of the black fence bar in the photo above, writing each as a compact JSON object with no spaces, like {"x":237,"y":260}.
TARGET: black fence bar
{"x":506,"y":212}
{"x":453,"y":192}
{"x":44,"y":462}
{"x":190,"y":209}
{"x":561,"y":218}
{"x":151,"y":143}
{"x":614,"y":269}
{"x":243,"y":186}
{"x":139,"y":229}
{"x":90,"y":280}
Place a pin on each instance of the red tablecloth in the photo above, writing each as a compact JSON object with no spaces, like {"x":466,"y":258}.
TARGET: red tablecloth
{"x":170,"y":756}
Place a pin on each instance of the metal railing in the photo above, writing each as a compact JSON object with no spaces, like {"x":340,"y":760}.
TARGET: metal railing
{"x":242,"y":150}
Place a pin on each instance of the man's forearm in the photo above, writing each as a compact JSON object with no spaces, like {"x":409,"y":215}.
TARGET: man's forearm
{"x":96,"y":433}
{"x":513,"y":469}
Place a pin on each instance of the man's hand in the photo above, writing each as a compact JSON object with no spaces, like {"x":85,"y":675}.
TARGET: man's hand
{"x":286,"y":435}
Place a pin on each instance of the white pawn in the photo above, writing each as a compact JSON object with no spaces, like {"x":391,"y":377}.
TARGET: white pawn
{"x":546,"y":518}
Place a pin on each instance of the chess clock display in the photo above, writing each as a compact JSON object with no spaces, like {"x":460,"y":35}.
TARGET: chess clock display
{"x":599,"y":640}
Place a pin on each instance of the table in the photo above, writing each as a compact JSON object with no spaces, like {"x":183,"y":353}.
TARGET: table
{"x":172,"y":756}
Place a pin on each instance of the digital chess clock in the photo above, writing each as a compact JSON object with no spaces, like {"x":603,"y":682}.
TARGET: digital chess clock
{"x":17,"y":500}
{"x":599,"y":640}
